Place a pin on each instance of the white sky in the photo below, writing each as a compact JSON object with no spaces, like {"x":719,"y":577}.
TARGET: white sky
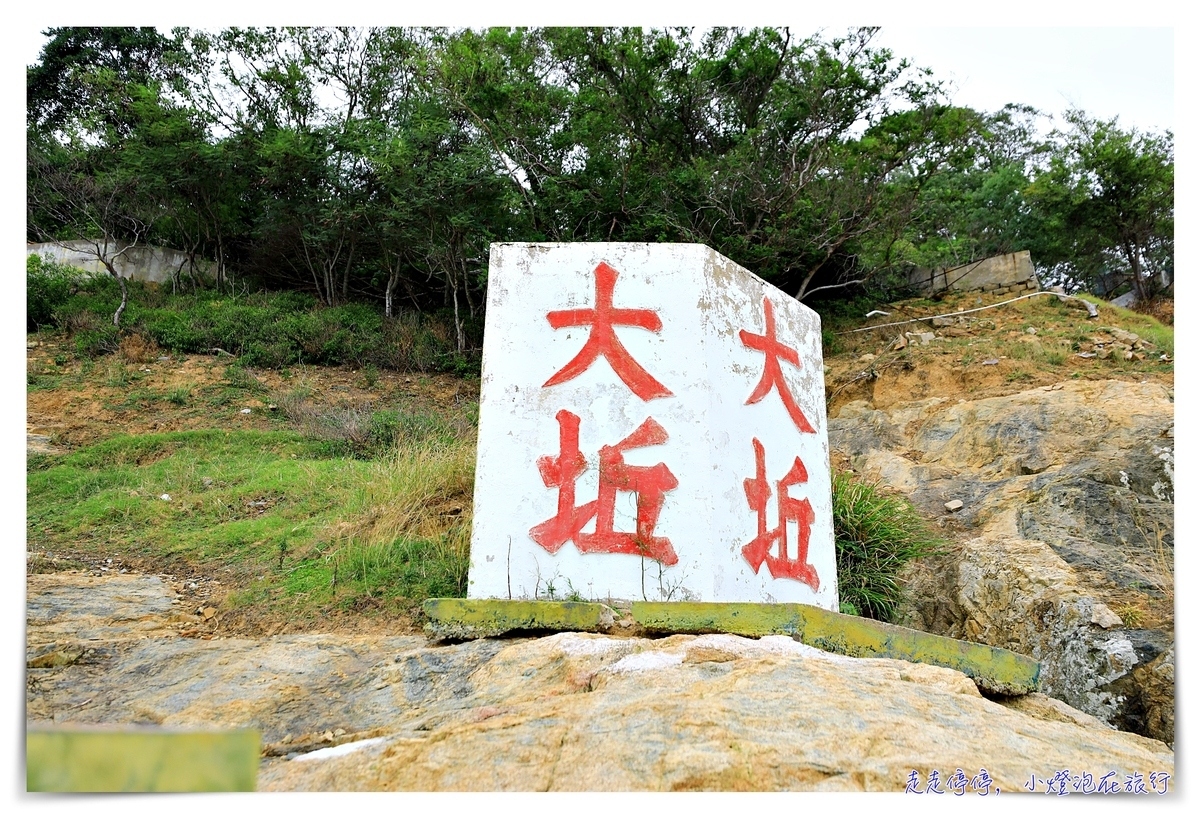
{"x":1123,"y":72}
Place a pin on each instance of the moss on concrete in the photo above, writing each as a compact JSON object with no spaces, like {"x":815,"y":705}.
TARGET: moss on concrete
{"x":993,"y":669}
{"x":475,"y":618}
{"x":132,"y":760}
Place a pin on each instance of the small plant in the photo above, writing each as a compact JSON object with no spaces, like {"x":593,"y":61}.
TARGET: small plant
{"x":238,"y":377}
{"x":876,"y":535}
{"x":117,"y":375}
{"x":370,"y":376}
{"x":179,"y":395}
{"x":1131,"y":616}
{"x":573,"y":594}
{"x":92,"y":343}
{"x":138,"y":349}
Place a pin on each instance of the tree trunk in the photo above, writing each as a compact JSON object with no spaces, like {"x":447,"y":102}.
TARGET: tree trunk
{"x":458,"y":327}
{"x":393,"y":275}
{"x":112,"y":271}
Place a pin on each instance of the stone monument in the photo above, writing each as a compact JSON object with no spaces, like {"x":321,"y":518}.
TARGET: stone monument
{"x":652,"y":427}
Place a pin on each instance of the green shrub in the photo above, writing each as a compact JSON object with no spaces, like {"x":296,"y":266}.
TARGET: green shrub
{"x":876,"y":535}
{"x":175,"y":331}
{"x":47,"y":288}
{"x":267,"y":354}
{"x":272,"y":330}
{"x":92,"y":343}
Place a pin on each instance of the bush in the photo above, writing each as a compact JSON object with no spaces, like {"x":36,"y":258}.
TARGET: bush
{"x":175,"y":331}
{"x":92,"y":343}
{"x":876,"y":535}
{"x":271,"y":330}
{"x":47,"y":287}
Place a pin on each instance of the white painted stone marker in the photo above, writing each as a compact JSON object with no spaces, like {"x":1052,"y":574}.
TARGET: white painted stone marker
{"x":652,"y":426}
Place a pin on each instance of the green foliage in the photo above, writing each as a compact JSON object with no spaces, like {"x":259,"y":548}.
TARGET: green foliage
{"x":1107,"y":199}
{"x":317,"y":527}
{"x":268,"y":330}
{"x":876,"y":535}
{"x":408,"y":568}
{"x":801,"y":158}
{"x":47,"y":287}
{"x":92,"y":343}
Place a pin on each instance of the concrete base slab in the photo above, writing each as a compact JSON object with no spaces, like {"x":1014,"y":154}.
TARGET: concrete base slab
{"x":477,"y":618}
{"x":993,"y":670}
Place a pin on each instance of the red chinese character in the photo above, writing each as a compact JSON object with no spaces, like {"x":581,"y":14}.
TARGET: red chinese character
{"x":772,"y":373}
{"x":603,"y":339}
{"x":756,"y":552}
{"x":649,"y":483}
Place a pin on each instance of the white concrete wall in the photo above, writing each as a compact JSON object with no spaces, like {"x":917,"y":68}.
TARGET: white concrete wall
{"x":141,"y":263}
{"x":1011,"y":272}
{"x":699,"y":356}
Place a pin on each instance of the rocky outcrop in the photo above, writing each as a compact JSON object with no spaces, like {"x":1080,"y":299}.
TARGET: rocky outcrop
{"x":717,"y":712}
{"x":1063,"y":547}
{"x":564,"y":712}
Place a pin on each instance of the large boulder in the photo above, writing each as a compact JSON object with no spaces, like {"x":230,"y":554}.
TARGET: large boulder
{"x":1064,"y":546}
{"x":563,"y":712}
{"x":717,"y":712}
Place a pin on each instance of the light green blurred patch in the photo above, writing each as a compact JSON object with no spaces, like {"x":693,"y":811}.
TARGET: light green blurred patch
{"x":140,"y":760}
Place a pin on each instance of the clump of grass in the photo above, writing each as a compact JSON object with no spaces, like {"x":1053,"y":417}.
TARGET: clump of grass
{"x":1132,"y":616}
{"x":238,"y":377}
{"x":876,"y":535}
{"x":116,"y":375}
{"x":136,"y":348}
{"x":365,"y":431}
{"x":411,"y":537}
{"x":179,"y":395}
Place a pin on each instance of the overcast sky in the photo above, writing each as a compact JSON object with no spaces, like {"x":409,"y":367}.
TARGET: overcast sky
{"x":1124,"y":72}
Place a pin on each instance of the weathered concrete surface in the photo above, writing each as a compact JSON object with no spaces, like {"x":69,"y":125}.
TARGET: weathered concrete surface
{"x":628,"y":393}
{"x":1068,"y":507}
{"x":994,"y":670}
{"x":475,"y":618}
{"x":140,"y":263}
{"x":570,"y":711}
{"x":1011,"y":272}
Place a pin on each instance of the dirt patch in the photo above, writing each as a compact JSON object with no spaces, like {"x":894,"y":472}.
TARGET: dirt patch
{"x":996,"y":352}
{"x":73,"y":403}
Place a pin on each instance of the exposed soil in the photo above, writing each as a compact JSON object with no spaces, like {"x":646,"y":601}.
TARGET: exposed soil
{"x":94,"y":400}
{"x":887,"y":367}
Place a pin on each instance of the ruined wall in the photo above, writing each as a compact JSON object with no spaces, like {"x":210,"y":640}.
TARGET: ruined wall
{"x":142,"y":263}
{"x":1009,"y":273}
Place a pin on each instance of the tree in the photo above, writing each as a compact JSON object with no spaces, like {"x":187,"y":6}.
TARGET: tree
{"x":1107,"y":201}
{"x":978,"y":207}
{"x":99,"y":211}
{"x":76,"y":87}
